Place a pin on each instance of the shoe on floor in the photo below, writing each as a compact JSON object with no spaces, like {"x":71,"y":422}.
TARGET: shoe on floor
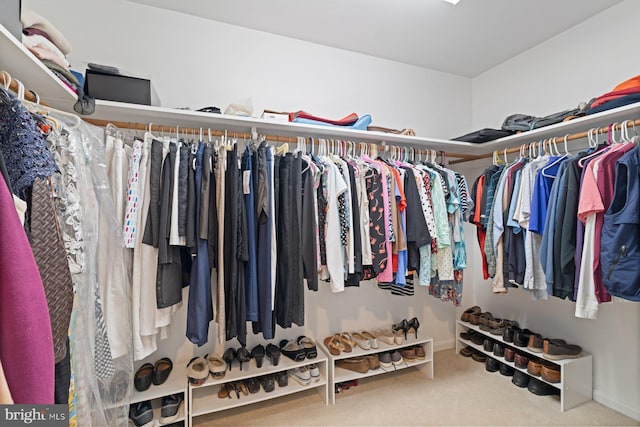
{"x":170,"y":410}
{"x":491,"y":364}
{"x":141,"y":414}
{"x":479,"y":357}
{"x":540,"y":388}
{"x":506,"y":370}
{"x":467,"y":351}
{"x":520,"y":379}
{"x":301,"y":375}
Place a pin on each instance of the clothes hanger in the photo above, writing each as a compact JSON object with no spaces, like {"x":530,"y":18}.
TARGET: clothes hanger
{"x":559,"y":160}
{"x":592,"y":134}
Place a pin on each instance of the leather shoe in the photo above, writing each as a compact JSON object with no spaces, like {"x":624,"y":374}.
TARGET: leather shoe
{"x":509,"y":331}
{"x":559,"y":351}
{"x":357,"y":364}
{"x":541,"y":388}
{"x":550,"y":373}
{"x":509,"y":354}
{"x":533,"y":367}
{"x":468,"y":335}
{"x":491,"y":365}
{"x":488,"y":344}
{"x":506,"y":370}
{"x":477,"y":339}
{"x":521,"y":337}
{"x":520,"y":379}
{"x":498,"y":349}
{"x":470,"y":311}
{"x":420,"y":353}
{"x":479,"y":357}
{"x":535,"y":343}
{"x":467,"y":351}
{"x":521,"y":361}
{"x":143,"y":377}
{"x":161,"y":370}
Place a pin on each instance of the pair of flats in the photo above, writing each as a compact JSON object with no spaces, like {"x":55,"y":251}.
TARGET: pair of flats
{"x":156,"y":374}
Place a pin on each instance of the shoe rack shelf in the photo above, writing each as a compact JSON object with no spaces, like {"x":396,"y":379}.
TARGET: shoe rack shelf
{"x":576,"y":386}
{"x":203,"y":399}
{"x":338,"y":375}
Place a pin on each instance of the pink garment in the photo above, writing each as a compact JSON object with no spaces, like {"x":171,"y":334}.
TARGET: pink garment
{"x":26,"y":341}
{"x":44,"y":53}
{"x":386,"y":276}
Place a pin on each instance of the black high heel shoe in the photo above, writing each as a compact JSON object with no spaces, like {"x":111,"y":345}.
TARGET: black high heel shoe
{"x":413,"y":324}
{"x":258,"y":353}
{"x":243,"y":355}
{"x":228,"y":356}
{"x":401,"y":326}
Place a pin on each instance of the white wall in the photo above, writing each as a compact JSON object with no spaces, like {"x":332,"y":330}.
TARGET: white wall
{"x":195,"y":62}
{"x":584,"y":61}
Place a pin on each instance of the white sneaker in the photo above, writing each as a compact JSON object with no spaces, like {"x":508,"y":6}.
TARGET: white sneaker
{"x":301,"y":375}
{"x":314,"y":371}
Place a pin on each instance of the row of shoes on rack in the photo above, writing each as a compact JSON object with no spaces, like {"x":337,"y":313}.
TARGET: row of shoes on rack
{"x":385,"y":360}
{"x":552,"y":348}
{"x":199,"y":368}
{"x":156,"y":374}
{"x":141,"y":413}
{"x":304,"y":375}
{"x":518,"y":378}
{"x":370,"y":339}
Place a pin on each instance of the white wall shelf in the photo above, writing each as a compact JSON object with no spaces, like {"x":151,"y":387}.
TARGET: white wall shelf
{"x":576,"y":386}
{"x":23,"y":65}
{"x":338,"y":375}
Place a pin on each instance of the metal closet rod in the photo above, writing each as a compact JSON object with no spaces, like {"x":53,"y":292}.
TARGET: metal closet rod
{"x":559,"y":139}
{"x":245,"y":135}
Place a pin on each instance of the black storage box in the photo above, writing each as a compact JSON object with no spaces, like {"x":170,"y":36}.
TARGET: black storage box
{"x":121,"y":88}
{"x":10,"y":17}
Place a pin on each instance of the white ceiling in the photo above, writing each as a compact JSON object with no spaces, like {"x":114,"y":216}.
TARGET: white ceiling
{"x":466,"y":39}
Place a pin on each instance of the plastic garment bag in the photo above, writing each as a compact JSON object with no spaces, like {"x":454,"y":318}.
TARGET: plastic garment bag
{"x":100,"y":331}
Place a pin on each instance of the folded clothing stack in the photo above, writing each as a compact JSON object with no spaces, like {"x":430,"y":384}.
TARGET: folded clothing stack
{"x":625,"y":93}
{"x":49,"y":45}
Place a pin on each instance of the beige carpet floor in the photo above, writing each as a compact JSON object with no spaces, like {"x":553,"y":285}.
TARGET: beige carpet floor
{"x":462,"y":393}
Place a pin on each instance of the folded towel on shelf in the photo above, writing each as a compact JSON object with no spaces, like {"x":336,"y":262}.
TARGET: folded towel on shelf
{"x":40,"y":45}
{"x":30,"y":19}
